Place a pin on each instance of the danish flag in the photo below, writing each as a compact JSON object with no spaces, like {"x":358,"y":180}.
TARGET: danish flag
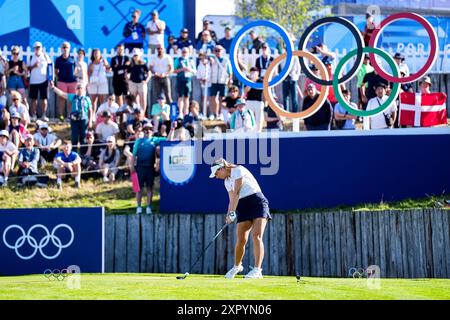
{"x":423,"y":110}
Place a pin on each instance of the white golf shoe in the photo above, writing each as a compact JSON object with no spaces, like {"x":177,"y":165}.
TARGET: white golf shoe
{"x":255,"y":273}
{"x":234,"y":271}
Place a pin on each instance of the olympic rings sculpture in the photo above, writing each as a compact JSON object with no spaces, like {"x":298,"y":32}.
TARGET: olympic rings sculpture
{"x":56,"y":274}
{"x":35,"y":244}
{"x":268,"y":82}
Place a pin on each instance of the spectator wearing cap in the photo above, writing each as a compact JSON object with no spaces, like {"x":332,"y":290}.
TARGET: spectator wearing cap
{"x":90,"y":152}
{"x":98,"y":83}
{"x":172,"y":45}
{"x":160,"y":113}
{"x":16,"y":71}
{"x":229,"y":103}
{"x":256,"y":41}
{"x":242,"y":119}
{"x":18,"y":107}
{"x":48,"y":143}
{"x":81,"y":68}
{"x":109,"y":160}
{"x":155,"y":30}
{"x":28,"y":163}
{"x":134,"y":32}
{"x":206,"y":27}
{"x":119,"y":65}
{"x":139,"y":76}
{"x":221,"y":76}
{"x":38,"y":67}
{"x":138,"y":119}
{"x":226,"y":41}
{"x":425,"y":85}
{"x":372,"y":79}
{"x":254,"y":100}
{"x":206,"y":43}
{"x":365,"y":69}
{"x":67,"y":162}
{"x":82,"y":114}
{"x":17,"y":130}
{"x":385,"y":119}
{"x":185,"y":69}
{"x":183,"y":41}
{"x":144,"y":158}
{"x":264,"y":60}
{"x":109,"y":105}
{"x":107,"y":128}
{"x":321,"y":120}
{"x":65,"y":76}
{"x":162,"y":66}
{"x":402,"y":66}
{"x":345,"y":120}
{"x":8,"y":156}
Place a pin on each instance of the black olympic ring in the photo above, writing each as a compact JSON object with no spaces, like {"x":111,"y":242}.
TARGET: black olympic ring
{"x":359,"y":54}
{"x":56,"y":274}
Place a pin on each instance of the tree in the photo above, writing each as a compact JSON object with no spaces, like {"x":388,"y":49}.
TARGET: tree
{"x":293,"y":15}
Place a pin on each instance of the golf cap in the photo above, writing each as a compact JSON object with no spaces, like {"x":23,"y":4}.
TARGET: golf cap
{"x":111,"y":139}
{"x":43,"y":125}
{"x":311,"y":85}
{"x":399,"y":56}
{"x":4,"y":133}
{"x":37,"y":44}
{"x":214,"y":169}
{"x":15,"y":115}
{"x":29,"y":137}
{"x":137,"y":52}
{"x":148,"y":125}
{"x":380,"y":84}
{"x":240,"y":102}
{"x":162,"y":97}
{"x":106,"y":114}
{"x":184,"y":30}
{"x":154,"y":12}
{"x":426,"y":79}
{"x":137,"y":111}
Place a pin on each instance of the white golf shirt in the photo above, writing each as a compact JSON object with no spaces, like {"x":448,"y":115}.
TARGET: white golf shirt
{"x":249,"y":184}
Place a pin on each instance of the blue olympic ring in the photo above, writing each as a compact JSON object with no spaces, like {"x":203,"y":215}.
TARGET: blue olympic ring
{"x":235,"y":46}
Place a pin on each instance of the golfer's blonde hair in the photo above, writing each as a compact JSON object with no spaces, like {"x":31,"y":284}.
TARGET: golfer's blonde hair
{"x":224,"y":163}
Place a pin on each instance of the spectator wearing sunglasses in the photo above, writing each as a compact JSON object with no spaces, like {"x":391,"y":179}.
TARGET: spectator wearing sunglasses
{"x":185,"y":70}
{"x":206,"y":27}
{"x":155,"y":30}
{"x":183,"y":41}
{"x":38,"y":80}
{"x":65,"y":66}
{"x":221,"y":76}
{"x":18,"y":107}
{"x":162,"y":66}
{"x":206,"y":44}
{"x":48,"y":143}
{"x":243,"y":119}
{"x":17,"y":71}
{"x":134,"y":32}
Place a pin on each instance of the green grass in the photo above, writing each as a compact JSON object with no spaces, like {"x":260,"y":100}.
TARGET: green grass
{"x":201,"y":287}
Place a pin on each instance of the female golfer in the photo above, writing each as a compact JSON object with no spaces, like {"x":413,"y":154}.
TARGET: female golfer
{"x":251,"y":208}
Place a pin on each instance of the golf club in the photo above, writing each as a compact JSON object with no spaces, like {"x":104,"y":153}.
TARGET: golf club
{"x":201,"y":254}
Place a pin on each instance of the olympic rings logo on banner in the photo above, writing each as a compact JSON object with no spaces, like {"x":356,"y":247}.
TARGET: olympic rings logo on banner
{"x":35,"y":244}
{"x":56,"y":274}
{"x":325,"y":83}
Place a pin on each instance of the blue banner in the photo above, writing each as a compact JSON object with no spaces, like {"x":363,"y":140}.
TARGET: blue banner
{"x":34,"y":240}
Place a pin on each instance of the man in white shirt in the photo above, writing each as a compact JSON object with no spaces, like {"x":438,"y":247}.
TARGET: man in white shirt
{"x":107,"y":128}
{"x":47,"y":142}
{"x":38,"y":80}
{"x":110,"y":105}
{"x":161,"y":67}
{"x":155,"y":30}
{"x":385,"y":119}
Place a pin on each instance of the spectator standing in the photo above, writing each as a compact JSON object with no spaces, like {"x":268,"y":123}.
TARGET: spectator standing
{"x":290,"y":87}
{"x":67,"y":162}
{"x":155,"y":30}
{"x":119,"y":64}
{"x":226,"y":41}
{"x":107,"y":128}
{"x":264,"y":60}
{"x":8,"y":156}
{"x":98,"y":83}
{"x":183,"y":41}
{"x":344,"y":120}
{"x":172,"y":45}
{"x":17,"y":71}
{"x":134,"y":32}
{"x":243,"y":119}
{"x":255,"y":99}
{"x":139,"y":76}
{"x":65,"y":75}
{"x":221,"y":77}
{"x":144,"y":158}
{"x":81,"y":116}
{"x":365,"y":69}
{"x":368,"y":28}
{"x":185,"y":70}
{"x":207,"y":27}
{"x":402,"y":66}
{"x":81,"y":68}
{"x":372,"y":79}
{"x":206,"y":44}
{"x":38,"y":80}
{"x":48,"y":143}
{"x":109,"y":160}
{"x":256,"y":41}
{"x":385,"y":119}
{"x":321,"y":120}
{"x":204,"y":77}
{"x":425,"y":85}
{"x":162,"y":66}
{"x":160,"y":113}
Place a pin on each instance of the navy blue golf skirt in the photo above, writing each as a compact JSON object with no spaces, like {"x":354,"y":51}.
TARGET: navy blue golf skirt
{"x":252,"y":207}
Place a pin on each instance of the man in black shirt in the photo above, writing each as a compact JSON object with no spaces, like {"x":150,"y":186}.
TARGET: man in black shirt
{"x":119,"y":66}
{"x":134,"y":32}
{"x":264,"y":60}
{"x":206,"y":26}
{"x":320,"y":120}
{"x":257,"y":42}
{"x":372,"y":79}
